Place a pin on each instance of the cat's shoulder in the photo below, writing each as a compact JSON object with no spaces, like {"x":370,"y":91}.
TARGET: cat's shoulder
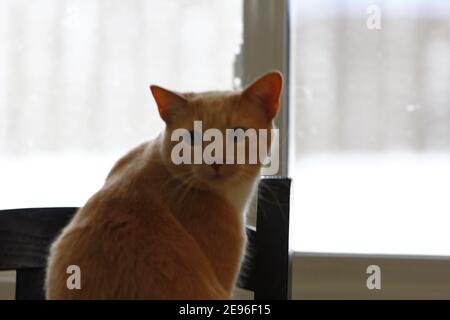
{"x":132,"y":158}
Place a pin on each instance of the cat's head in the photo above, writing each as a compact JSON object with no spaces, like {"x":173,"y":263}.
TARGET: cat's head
{"x":252,"y":108}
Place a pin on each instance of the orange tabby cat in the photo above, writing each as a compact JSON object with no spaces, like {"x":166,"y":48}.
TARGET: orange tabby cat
{"x":157,"y":230}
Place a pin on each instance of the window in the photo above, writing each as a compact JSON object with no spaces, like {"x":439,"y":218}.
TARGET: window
{"x":372,"y":126}
{"x":367,"y":128}
{"x":74,"y":79}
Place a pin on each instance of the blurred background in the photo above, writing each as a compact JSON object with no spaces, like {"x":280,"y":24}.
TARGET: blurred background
{"x":369,"y":108}
{"x":74,"y":84}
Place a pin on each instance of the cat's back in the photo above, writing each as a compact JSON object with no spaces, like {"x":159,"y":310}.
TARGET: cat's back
{"x":128,"y":245}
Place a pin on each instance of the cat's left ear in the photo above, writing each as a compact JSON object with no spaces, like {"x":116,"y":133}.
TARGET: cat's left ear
{"x":267,"y":92}
{"x":168,"y":102}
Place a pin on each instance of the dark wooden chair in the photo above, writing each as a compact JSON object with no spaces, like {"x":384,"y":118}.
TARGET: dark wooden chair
{"x":26,"y":234}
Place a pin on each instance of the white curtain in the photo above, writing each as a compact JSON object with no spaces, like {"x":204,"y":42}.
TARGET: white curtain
{"x":74,"y":74}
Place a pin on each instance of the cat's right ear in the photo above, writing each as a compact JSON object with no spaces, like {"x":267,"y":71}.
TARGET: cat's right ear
{"x":168,"y":102}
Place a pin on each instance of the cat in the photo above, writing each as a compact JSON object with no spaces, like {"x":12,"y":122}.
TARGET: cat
{"x":157,"y":230}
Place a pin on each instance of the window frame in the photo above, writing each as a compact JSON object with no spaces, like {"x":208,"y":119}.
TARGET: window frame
{"x":266,"y":35}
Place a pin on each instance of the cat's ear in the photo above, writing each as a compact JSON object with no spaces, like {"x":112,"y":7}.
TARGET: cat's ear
{"x":266,"y":91}
{"x":168,"y":102}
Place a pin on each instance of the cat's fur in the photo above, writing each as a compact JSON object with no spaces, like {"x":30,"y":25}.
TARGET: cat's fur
{"x":157,"y":230}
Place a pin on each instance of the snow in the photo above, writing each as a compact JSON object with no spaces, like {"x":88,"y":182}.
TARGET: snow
{"x":358,"y":203}
{"x":51,"y":180}
{"x":372,"y":204}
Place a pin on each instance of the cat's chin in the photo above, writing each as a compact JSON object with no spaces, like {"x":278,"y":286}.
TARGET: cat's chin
{"x":216,"y":183}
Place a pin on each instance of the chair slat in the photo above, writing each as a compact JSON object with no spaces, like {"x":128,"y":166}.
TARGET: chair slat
{"x":26,"y":234}
{"x":30,"y":284}
{"x":246,"y":278}
{"x":273,"y":259}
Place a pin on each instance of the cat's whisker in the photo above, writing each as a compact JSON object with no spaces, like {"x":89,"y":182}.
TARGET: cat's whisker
{"x":264,"y":189}
{"x":178,"y":179}
{"x":183,"y":188}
